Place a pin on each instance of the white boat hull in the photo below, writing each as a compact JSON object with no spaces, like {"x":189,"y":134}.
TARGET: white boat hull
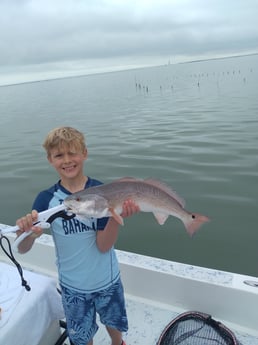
{"x":157,"y":290}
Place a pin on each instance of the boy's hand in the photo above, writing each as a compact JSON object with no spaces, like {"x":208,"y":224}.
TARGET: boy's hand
{"x":25,"y":224}
{"x":129,"y":208}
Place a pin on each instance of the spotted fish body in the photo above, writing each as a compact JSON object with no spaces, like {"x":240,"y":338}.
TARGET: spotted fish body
{"x":150,"y":195}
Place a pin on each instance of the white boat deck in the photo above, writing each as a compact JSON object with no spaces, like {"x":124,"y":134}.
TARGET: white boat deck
{"x":170,"y":288}
{"x":147,"y":320}
{"x":158,"y":290}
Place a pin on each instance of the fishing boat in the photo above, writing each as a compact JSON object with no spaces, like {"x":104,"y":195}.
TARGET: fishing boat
{"x":156,"y":292}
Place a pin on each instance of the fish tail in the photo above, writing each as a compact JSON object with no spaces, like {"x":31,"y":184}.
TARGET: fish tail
{"x":193,"y":223}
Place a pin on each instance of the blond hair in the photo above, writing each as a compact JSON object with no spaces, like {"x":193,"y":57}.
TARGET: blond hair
{"x":64,"y":136}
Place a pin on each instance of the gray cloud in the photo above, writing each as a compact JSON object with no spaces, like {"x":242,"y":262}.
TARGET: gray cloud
{"x":45,"y":31}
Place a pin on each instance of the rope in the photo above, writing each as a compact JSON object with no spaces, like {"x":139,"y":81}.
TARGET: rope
{"x":10,"y":255}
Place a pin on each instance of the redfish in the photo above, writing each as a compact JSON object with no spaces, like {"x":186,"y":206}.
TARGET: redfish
{"x":150,"y":195}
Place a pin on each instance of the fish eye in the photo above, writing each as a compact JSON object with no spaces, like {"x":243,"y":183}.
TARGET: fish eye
{"x":193,"y":216}
{"x":78,"y":198}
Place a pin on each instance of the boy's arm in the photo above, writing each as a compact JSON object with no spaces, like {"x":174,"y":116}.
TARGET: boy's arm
{"x":107,"y":237}
{"x":27,"y":243}
{"x":26,"y":224}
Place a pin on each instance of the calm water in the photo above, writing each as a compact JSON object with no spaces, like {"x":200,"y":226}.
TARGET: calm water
{"x":194,"y":126}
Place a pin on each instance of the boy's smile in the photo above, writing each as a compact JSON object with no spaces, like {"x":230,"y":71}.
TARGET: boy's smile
{"x":69,"y":168}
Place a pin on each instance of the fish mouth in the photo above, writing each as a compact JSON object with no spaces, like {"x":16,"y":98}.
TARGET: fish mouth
{"x":69,"y":210}
{"x":67,"y":206}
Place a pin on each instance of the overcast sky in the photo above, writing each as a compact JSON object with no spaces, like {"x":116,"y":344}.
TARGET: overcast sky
{"x":40,"y":38}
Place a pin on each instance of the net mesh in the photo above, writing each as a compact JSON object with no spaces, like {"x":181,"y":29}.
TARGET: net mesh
{"x":197,"y":330}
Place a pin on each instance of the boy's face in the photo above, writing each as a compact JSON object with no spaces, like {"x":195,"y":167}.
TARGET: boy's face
{"x":67,"y":161}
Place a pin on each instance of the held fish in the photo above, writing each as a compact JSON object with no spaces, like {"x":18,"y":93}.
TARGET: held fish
{"x":150,"y":195}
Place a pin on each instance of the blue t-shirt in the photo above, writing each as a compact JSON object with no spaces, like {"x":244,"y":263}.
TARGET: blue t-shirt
{"x":81,"y":266}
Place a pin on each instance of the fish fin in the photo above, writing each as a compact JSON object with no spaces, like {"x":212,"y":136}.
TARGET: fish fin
{"x":160,"y":217}
{"x":194,"y":223}
{"x":116,"y":216}
{"x":167,"y":189}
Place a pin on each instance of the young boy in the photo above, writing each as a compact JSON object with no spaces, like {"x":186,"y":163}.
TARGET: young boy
{"x":86,"y":260}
